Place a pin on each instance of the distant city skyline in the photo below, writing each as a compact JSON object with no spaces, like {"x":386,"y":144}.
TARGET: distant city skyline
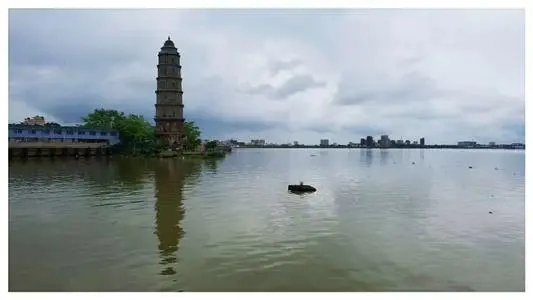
{"x":261,"y":142}
{"x":445,"y":75}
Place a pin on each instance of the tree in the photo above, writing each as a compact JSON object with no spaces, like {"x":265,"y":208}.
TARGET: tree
{"x":104,"y":119}
{"x":52,"y":124}
{"x":136,"y":134}
{"x":192,"y":135}
{"x":211,"y":145}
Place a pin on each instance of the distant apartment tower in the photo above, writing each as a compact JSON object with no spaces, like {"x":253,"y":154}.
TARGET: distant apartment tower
{"x":492,"y":144}
{"x":369,"y":141}
{"x":385,"y":141}
{"x":36,"y":120}
{"x":324,"y":143}
{"x":296,"y":143}
{"x":257,"y":142}
{"x":363,"y":142}
{"x":422,"y":141}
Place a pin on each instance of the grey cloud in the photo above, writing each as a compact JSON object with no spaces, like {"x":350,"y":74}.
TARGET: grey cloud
{"x":404,"y":69}
{"x":411,"y":87}
{"x":280,"y":65}
{"x":296,"y":84}
{"x":410,"y":62}
{"x":70,"y":112}
{"x":319,"y":128}
{"x":266,"y":89}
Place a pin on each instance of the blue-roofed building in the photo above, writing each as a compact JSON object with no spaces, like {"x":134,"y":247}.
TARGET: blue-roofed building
{"x":71,"y":134}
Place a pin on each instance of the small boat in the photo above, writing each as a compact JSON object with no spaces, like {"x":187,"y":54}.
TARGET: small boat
{"x":301,"y":188}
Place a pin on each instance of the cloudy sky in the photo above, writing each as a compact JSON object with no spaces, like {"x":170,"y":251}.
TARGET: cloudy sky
{"x":282,"y":75}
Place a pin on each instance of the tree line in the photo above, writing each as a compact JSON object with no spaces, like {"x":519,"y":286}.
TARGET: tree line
{"x":137,"y":135}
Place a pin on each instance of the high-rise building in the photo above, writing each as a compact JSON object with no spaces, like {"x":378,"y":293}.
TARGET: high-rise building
{"x":385,"y":141}
{"x":363,"y":142}
{"x":258,"y":142}
{"x":369,"y":141}
{"x":324,"y":143}
{"x":422,"y":141}
{"x":169,"y":103}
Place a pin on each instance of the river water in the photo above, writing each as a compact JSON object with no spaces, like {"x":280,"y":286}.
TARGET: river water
{"x":378,"y":222}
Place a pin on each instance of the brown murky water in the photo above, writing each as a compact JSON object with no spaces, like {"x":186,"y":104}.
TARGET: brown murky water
{"x":377,"y":222}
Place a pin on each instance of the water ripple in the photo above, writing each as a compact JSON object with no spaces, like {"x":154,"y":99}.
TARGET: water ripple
{"x":376,"y":223}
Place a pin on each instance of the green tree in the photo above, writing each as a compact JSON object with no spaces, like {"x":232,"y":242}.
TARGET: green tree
{"x":104,"y":119}
{"x":136,"y":134}
{"x":211,"y":145}
{"x":52,"y":124}
{"x":192,"y":135}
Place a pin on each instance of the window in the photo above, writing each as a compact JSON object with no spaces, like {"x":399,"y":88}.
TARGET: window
{"x":113,"y":134}
{"x":33,"y":131}
{"x":46,"y":131}
{"x":70,"y":132}
{"x":57,"y":131}
{"x":92,"y":132}
{"x":103,"y":133}
{"x":18,"y":131}
{"x":81,"y":132}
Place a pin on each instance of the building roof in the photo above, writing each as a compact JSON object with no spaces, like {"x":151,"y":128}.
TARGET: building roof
{"x":169,"y":43}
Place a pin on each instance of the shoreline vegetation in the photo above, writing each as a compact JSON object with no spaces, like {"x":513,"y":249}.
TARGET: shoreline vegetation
{"x":138,"y":139}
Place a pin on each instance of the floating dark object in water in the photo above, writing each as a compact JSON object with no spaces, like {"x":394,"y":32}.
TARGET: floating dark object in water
{"x":470,"y":167}
{"x":490,"y":212}
{"x":313,"y":155}
{"x":301,"y":188}
{"x":413,"y":163}
{"x":491,"y":195}
{"x":496,"y":169}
